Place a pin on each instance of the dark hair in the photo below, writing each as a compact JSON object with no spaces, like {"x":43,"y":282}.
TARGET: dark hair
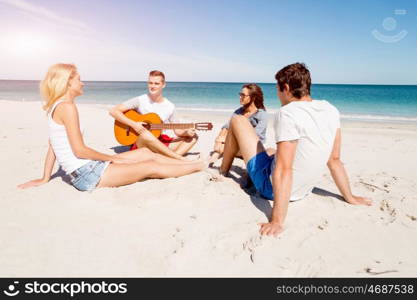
{"x":297,"y":76}
{"x":157,"y":73}
{"x":256,"y":95}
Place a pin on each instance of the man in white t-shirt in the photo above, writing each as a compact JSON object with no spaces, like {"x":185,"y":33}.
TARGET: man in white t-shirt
{"x":307,"y":133}
{"x":172,"y":143}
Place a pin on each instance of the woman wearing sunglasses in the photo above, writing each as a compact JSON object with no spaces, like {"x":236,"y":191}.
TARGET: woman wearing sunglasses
{"x":252,"y":107}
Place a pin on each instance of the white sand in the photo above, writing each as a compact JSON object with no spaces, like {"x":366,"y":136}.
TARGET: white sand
{"x":191,"y":226}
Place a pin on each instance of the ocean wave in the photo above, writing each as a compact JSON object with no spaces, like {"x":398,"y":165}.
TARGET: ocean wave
{"x":379,"y":118}
{"x":356,"y":117}
{"x":204,"y":109}
{"x":352,"y":117}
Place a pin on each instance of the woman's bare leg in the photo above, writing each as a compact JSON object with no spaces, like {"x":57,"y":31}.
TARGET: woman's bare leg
{"x":217,"y":153}
{"x":214,"y":157}
{"x":123,"y":174}
{"x":144,"y":154}
{"x":137,"y":155}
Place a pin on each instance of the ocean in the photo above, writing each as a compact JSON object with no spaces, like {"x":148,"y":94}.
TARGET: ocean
{"x":397,"y":103}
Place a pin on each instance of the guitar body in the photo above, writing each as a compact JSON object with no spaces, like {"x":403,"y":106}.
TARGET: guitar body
{"x":125,"y":135}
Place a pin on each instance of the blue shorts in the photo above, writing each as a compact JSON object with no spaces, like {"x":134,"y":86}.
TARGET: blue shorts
{"x":87,"y":177}
{"x":259,"y":170}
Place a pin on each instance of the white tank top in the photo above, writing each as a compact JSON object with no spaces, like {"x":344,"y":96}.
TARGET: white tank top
{"x":61,"y":146}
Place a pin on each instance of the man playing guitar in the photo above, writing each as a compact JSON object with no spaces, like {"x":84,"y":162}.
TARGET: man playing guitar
{"x":168,"y":144}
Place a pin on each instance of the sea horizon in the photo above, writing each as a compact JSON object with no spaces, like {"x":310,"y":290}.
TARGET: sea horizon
{"x":234,"y":82}
{"x":367,"y":102}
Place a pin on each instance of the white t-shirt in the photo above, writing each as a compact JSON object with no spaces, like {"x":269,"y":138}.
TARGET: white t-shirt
{"x":143,"y":105}
{"x":314,"y":125}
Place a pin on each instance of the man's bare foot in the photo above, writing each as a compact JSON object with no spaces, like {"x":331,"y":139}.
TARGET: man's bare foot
{"x":216,"y":175}
{"x":356,"y":200}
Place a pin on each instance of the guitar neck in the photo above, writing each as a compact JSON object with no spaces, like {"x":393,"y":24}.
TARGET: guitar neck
{"x":171,"y":126}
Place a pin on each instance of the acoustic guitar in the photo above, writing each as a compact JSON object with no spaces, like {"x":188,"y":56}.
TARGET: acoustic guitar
{"x":126,"y":135}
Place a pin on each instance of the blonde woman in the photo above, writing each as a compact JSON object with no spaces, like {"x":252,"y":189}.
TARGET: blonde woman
{"x":87,"y":167}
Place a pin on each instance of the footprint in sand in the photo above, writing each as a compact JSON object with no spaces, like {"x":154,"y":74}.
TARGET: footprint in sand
{"x":313,"y":268}
{"x":380,"y":268}
{"x":389,"y":210}
{"x":179,"y":242}
{"x":323,"y":225}
{"x":412,"y":218}
{"x":251,"y":244}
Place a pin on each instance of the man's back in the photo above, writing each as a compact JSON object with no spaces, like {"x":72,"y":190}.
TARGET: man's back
{"x":313,"y":124}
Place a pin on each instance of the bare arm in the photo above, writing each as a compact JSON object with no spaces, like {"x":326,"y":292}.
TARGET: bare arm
{"x":219,"y":141}
{"x":47,"y":171}
{"x":221,"y":138}
{"x":49,"y":163}
{"x":339,"y":174}
{"x":117,"y":112}
{"x":67,"y":114}
{"x":281,"y":184}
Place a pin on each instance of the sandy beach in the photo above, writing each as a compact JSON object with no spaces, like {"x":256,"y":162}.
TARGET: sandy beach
{"x":194,"y":227}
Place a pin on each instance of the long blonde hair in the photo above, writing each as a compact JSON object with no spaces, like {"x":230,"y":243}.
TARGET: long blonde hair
{"x":56,"y":82}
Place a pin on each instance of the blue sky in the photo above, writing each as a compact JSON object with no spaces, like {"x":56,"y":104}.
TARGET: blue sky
{"x":229,"y":40}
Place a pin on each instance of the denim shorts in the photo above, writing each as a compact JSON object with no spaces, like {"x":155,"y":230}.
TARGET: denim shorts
{"x":87,"y":177}
{"x":259,"y":170}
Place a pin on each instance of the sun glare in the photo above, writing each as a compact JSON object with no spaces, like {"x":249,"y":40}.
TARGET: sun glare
{"x":29,"y":44}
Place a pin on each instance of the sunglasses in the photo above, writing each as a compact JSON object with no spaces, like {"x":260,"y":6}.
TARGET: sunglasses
{"x":241,"y":95}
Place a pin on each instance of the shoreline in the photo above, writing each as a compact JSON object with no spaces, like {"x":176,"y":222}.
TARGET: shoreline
{"x":410,"y":122}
